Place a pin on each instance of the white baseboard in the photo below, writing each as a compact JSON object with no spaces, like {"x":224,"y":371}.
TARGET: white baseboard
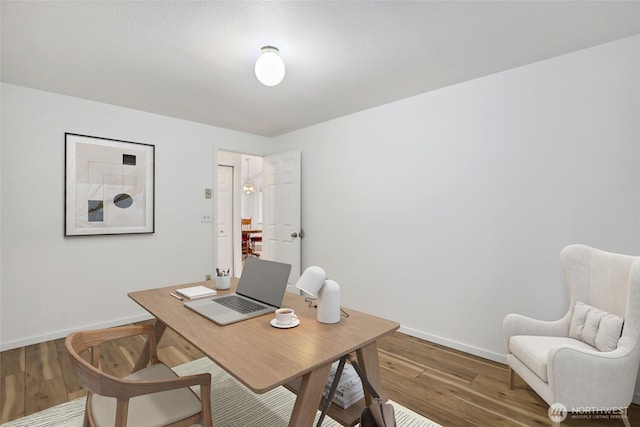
{"x":476,"y":351}
{"x":36,"y":339}
{"x":496,"y":357}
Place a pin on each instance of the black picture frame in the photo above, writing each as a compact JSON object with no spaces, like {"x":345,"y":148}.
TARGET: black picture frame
{"x":109,"y":186}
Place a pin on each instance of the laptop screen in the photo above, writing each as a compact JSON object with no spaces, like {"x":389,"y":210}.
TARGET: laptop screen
{"x":263,"y":280}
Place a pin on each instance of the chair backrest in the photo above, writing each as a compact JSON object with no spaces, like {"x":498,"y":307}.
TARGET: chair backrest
{"x":605,"y":280}
{"x":98,"y":382}
{"x":246,"y":223}
{"x":89,"y":374}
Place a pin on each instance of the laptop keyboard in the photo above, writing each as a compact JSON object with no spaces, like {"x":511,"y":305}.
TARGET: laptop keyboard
{"x":238,"y":304}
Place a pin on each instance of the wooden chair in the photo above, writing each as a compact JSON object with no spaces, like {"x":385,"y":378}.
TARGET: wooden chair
{"x":152,"y":396}
{"x":246,"y":241}
{"x":255,"y":241}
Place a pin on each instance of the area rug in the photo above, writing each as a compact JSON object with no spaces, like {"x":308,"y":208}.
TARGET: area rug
{"x":232,"y":405}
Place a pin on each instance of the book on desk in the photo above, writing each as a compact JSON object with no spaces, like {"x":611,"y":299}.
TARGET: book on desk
{"x":193,"y":292}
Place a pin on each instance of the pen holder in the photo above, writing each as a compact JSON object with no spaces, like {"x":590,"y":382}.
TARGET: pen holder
{"x":223,"y":282}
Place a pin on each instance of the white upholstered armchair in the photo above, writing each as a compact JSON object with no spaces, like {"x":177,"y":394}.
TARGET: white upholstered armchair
{"x":589,"y":359}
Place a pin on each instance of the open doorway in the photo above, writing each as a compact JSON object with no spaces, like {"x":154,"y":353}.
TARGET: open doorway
{"x":273,"y":205}
{"x":239,"y":191}
{"x":251,"y":207}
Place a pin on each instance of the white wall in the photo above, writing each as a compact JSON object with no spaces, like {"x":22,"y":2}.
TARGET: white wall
{"x":50,"y":284}
{"x":448,"y":210}
{"x":444,"y":211}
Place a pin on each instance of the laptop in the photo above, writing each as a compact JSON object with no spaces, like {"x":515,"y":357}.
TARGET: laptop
{"x":260,"y":291}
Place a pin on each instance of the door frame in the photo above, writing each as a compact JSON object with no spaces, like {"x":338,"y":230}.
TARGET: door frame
{"x":234,"y":159}
{"x":232,"y":234}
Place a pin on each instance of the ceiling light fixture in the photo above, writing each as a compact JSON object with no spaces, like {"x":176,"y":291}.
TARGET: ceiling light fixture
{"x":248,"y":186}
{"x":269,"y":66}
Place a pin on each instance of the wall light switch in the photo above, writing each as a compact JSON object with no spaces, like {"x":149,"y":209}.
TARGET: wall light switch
{"x":207,"y":193}
{"x":205,"y":217}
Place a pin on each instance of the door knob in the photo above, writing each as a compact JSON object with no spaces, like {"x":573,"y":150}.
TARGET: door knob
{"x":294,"y":234}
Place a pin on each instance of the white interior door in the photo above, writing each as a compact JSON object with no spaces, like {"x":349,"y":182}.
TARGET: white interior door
{"x":224,"y":217}
{"x":281,"y":211}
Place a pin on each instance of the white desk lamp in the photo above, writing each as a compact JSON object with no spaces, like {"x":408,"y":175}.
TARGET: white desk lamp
{"x":315,"y":284}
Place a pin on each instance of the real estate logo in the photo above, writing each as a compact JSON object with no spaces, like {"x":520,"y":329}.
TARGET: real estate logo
{"x":557,"y":412}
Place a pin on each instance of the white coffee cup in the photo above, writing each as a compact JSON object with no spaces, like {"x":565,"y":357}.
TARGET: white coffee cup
{"x":285,"y":316}
{"x":223,"y":282}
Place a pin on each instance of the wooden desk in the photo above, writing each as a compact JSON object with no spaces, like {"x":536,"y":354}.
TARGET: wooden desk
{"x":247,"y":233}
{"x":263,"y":357}
{"x":251,"y":231}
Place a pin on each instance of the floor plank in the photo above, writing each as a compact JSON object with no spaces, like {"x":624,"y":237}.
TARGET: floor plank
{"x":12,"y":395}
{"x":41,"y":362}
{"x":45,"y":394}
{"x":73,"y":387}
{"x":12,"y":361}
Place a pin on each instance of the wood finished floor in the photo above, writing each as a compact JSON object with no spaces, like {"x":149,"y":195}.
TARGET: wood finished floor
{"x":447,"y":386}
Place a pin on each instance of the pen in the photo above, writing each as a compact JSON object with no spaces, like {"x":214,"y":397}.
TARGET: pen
{"x":176,"y":296}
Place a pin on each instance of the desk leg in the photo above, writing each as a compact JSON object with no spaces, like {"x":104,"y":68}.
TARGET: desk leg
{"x":370,"y":364}
{"x":143,"y":360}
{"x":309,"y":396}
{"x":159,"y":328}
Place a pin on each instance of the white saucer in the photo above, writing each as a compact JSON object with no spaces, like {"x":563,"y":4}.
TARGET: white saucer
{"x":293,"y":324}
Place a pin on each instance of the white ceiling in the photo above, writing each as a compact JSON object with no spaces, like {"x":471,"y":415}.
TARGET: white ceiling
{"x":194,"y":60}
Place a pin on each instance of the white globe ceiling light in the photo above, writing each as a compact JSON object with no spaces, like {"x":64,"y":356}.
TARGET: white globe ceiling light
{"x":269,"y":67}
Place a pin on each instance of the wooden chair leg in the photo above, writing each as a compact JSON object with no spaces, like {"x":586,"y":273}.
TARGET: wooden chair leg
{"x":205,"y":397}
{"x":511,"y":378}
{"x":85,"y":422}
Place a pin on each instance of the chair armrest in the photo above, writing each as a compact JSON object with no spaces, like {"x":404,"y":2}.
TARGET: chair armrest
{"x":517,"y":324}
{"x":573,"y":372}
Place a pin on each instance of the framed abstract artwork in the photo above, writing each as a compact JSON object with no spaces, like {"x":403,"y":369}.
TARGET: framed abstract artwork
{"x":109,"y":186}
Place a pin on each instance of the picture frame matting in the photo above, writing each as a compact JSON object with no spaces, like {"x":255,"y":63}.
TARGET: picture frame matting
{"x":109,"y":186}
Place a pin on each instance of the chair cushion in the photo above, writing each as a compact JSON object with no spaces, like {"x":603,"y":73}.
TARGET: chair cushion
{"x":157,"y":409}
{"x":533,"y":351}
{"x":595,"y":327}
